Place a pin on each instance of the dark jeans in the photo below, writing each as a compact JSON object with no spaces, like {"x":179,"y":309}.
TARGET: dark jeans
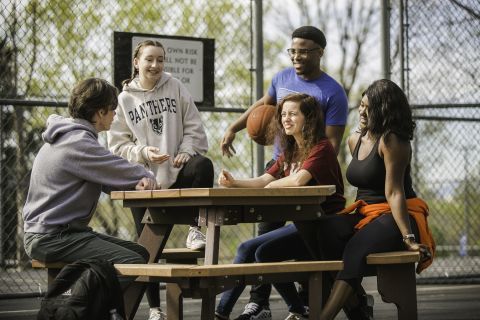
{"x":278,"y":245}
{"x":197,"y":173}
{"x":69,"y":246}
{"x":260,"y":294}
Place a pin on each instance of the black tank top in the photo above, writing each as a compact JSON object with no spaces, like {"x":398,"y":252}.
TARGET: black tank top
{"x":368,"y":175}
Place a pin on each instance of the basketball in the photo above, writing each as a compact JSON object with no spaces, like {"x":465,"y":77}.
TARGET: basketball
{"x":260,"y":123}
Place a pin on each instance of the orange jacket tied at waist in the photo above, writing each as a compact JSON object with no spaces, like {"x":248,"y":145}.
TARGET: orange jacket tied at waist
{"x":417,"y":208}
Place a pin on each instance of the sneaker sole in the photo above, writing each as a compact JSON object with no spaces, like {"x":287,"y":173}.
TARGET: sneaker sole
{"x":197,"y":247}
{"x":263,"y":315}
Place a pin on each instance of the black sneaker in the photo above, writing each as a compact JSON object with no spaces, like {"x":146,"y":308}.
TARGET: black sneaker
{"x":255,"y":312}
{"x":364,"y":311}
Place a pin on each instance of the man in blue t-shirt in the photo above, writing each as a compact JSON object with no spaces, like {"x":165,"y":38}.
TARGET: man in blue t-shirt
{"x":306,"y":76}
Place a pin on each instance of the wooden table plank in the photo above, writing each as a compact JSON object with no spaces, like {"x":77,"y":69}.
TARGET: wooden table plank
{"x":167,"y":193}
{"x":393,"y":257}
{"x":259,"y":192}
{"x":307,"y":191}
{"x":143,"y":194}
{"x":154,"y":270}
{"x":265,"y":267}
{"x":220,"y":270}
{"x":117,"y":195}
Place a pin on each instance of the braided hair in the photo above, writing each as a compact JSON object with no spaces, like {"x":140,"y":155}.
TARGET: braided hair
{"x":137,"y":53}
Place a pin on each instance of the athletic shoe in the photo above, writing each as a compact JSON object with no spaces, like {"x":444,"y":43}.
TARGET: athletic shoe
{"x":364,"y":311}
{"x":195,"y":239}
{"x":298,"y":316}
{"x":255,"y":312}
{"x":295,"y":316}
{"x":157,"y":314}
{"x":219,"y":316}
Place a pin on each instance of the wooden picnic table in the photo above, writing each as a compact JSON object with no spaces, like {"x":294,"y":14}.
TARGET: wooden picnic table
{"x":213,"y":208}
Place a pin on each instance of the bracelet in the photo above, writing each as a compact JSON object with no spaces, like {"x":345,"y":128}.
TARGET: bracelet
{"x":408,"y":236}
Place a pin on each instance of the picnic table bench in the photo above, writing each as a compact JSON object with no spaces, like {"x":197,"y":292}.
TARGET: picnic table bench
{"x":174,"y":255}
{"x":395,"y":280}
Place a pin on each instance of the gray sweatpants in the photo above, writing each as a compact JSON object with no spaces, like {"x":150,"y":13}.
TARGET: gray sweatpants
{"x":69,"y":246}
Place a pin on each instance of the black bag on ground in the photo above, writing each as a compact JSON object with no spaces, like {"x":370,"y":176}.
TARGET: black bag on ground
{"x":86,"y":289}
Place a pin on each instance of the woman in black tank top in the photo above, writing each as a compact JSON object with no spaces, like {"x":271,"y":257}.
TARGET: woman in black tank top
{"x":368,"y":175}
{"x":380,"y":169}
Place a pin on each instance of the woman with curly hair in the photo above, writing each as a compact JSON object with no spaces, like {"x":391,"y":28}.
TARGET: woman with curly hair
{"x":388,"y":215}
{"x":308,"y":159}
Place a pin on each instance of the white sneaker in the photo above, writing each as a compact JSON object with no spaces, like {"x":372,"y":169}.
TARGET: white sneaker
{"x":298,"y":316}
{"x":254,"y":311}
{"x":295,"y":316}
{"x":195,"y":239}
{"x":157,"y":314}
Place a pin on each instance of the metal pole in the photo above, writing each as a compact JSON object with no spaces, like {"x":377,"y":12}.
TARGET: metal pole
{"x":259,"y":73}
{"x":467,"y":204}
{"x":407,"y":57}
{"x":401,"y":46}
{"x":385,"y":38}
{"x":2,"y":258}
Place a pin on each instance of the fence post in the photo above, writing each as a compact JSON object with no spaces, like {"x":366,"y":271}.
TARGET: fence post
{"x":259,"y":73}
{"x":385,"y":36}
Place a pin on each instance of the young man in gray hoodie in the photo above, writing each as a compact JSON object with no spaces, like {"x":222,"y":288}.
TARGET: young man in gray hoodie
{"x":69,"y":173}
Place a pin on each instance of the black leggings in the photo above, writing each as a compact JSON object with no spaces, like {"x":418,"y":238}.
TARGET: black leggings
{"x":339,"y":240}
{"x":196,"y":173}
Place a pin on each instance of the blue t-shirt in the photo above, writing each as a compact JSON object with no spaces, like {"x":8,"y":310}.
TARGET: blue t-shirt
{"x":328,"y":92}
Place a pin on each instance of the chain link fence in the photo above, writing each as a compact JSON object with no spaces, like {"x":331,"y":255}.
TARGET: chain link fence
{"x":47,"y":46}
{"x":438,"y":67}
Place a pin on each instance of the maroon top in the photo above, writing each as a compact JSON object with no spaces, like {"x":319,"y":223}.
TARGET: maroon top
{"x":323,"y":165}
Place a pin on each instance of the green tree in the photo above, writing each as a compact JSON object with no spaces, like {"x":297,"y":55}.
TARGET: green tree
{"x":56,"y":43}
{"x":348,"y":25}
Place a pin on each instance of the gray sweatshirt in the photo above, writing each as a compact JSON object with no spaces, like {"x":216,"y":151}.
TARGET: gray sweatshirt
{"x":164,"y":117}
{"x":69,"y":173}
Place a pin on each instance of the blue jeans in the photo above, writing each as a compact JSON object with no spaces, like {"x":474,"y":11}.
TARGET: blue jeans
{"x":278,"y":245}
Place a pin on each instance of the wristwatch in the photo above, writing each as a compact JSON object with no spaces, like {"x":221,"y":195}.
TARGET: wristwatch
{"x":408,"y":236}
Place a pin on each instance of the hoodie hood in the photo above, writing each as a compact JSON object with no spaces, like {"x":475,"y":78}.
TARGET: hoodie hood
{"x":58,"y":125}
{"x":134,"y":85}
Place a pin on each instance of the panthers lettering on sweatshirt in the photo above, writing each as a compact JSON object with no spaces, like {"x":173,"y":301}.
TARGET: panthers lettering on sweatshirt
{"x":164,"y":117}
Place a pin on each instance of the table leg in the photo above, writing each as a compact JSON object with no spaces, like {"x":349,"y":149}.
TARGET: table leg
{"x":208,"y":304}
{"x":213,"y":239}
{"x":132,"y":297}
{"x":315,"y":295}
{"x":153,"y":238}
{"x":397,"y":284}
{"x":174,"y":302}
